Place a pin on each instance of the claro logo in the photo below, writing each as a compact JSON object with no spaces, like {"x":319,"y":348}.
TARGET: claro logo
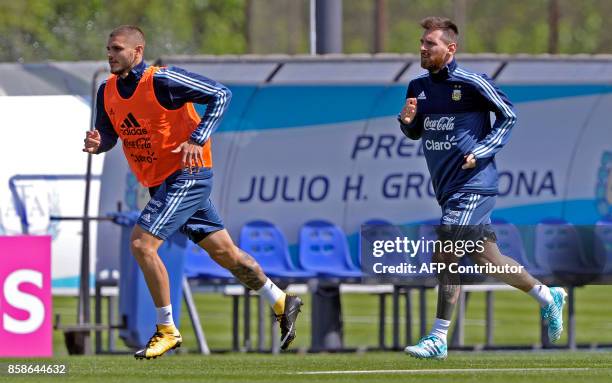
{"x":446,"y":144}
{"x":442,"y":123}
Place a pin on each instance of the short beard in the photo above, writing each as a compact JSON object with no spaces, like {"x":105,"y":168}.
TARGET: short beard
{"x":433,"y":65}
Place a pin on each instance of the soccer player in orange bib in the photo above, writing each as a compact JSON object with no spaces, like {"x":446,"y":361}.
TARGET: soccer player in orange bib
{"x":167,"y":146}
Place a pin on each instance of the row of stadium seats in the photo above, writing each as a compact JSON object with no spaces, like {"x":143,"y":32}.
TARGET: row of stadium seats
{"x":555,"y":251}
{"x":323,"y":252}
{"x":571,"y":254}
{"x":552,"y":248}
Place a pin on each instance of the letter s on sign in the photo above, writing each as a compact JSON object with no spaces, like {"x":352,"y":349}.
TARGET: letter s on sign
{"x":23,"y":301}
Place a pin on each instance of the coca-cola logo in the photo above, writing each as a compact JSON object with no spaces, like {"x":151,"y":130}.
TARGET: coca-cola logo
{"x":140,"y":143}
{"x":442,"y":123}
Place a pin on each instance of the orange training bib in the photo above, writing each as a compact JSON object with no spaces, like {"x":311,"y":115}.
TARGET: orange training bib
{"x":149,"y":132}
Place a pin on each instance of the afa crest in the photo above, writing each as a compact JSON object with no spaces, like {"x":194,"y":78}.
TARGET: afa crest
{"x":456,"y":96}
{"x":603,"y":191}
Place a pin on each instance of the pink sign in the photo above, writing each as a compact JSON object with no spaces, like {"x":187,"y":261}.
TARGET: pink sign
{"x":25,"y":296}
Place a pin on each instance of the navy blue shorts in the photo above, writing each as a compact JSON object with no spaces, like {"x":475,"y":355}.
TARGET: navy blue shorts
{"x":467,"y":216}
{"x":182,"y":202}
{"x":467,"y":209}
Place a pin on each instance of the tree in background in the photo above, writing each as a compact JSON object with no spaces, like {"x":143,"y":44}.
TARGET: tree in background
{"x":38,"y":30}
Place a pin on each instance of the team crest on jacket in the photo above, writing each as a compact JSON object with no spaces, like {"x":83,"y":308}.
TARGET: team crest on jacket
{"x":456,"y":96}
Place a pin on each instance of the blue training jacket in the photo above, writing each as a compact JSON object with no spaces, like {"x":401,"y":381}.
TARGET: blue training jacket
{"x":453,"y":120}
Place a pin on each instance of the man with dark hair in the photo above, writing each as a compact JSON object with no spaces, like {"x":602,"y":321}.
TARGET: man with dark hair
{"x":446,"y":26}
{"x":459,"y":144}
{"x":168,"y":148}
{"x":133,"y":32}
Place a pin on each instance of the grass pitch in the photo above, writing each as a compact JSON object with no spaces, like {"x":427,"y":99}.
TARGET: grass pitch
{"x":541,"y":367}
{"x":516,"y":322}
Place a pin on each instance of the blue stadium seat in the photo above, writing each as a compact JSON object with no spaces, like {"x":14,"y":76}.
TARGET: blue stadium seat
{"x":383,"y":230}
{"x":198,"y":264}
{"x":510,"y":242}
{"x":267,"y":244}
{"x":558,"y":248}
{"x":377,"y":229}
{"x":603,"y":245}
{"x":324,"y":250}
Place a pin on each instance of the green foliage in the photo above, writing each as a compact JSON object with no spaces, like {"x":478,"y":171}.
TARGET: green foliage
{"x":404,"y":18}
{"x":35,"y":30}
{"x":520,"y":28}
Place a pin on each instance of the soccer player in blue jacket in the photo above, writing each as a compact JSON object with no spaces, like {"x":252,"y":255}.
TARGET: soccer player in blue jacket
{"x":448,"y":109}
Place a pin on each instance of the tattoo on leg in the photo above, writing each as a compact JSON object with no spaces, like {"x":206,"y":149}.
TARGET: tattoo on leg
{"x":447,"y":300}
{"x":249,"y":272}
{"x":449,"y":287}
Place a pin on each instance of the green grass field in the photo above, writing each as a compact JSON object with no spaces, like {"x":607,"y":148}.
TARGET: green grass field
{"x":516,"y":323}
{"x":516,"y":319}
{"x":541,"y":367}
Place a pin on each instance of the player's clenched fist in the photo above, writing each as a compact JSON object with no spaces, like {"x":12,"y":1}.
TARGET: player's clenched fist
{"x":409,"y":111}
{"x":92,"y":141}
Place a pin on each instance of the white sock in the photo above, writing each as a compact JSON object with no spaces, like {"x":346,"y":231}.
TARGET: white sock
{"x":440,"y":328}
{"x":164,"y":315}
{"x":541,"y":293}
{"x":273,"y":295}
